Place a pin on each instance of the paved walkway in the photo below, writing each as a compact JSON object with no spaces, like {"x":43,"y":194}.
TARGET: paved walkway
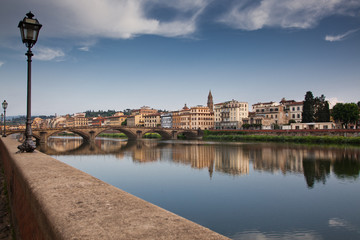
{"x":5,"y":222}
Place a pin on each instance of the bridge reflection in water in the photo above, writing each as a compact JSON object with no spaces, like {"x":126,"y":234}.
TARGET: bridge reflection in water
{"x":315,"y":163}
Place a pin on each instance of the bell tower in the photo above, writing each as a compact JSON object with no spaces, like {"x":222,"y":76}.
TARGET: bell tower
{"x":210,"y":102}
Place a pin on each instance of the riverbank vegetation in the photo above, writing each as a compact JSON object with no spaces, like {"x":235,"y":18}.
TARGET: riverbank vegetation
{"x":152,"y":135}
{"x":242,"y":136}
{"x":113,"y":135}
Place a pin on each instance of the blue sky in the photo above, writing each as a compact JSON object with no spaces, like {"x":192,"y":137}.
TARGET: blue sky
{"x":118,"y":54}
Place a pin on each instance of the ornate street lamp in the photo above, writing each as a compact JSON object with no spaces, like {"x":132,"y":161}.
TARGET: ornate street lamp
{"x":29,"y":29}
{"x":4,"y":105}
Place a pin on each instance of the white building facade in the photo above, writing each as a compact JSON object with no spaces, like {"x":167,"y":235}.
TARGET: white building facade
{"x":229,"y":115}
{"x":166,"y":120}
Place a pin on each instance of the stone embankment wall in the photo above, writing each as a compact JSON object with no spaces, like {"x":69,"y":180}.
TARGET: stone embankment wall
{"x":51,"y":200}
{"x":307,"y":132}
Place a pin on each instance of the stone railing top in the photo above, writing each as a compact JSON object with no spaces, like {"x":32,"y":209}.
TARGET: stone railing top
{"x":75,"y":205}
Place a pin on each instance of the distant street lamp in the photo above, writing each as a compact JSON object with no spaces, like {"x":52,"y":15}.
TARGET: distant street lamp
{"x":4,"y":105}
{"x":2,"y":117}
{"x":29,"y":29}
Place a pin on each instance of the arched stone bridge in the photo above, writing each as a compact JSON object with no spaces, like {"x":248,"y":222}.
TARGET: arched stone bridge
{"x":90,"y":133}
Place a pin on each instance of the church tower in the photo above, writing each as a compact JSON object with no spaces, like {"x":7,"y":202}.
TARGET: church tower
{"x":210,"y":102}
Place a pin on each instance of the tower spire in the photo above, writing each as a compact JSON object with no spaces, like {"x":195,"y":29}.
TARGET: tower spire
{"x":210,"y":102}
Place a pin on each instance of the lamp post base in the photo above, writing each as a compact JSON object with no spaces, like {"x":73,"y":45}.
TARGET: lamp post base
{"x":27,"y":146}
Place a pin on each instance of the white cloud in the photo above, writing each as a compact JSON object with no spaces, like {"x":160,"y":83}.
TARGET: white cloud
{"x":304,"y":14}
{"x":105,"y":18}
{"x":341,"y":223}
{"x":85,"y":46}
{"x":120,"y":18}
{"x":130,"y":18}
{"x":47,"y":54}
{"x":1,"y":63}
{"x":294,"y":235}
{"x":340,"y":37}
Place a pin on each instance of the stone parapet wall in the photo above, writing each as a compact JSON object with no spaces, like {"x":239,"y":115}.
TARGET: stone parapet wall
{"x":52,"y":200}
{"x":307,"y":132}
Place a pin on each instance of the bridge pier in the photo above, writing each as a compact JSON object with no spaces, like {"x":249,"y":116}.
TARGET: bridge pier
{"x":138,"y":134}
{"x":174,"y":135}
{"x":91,"y":139}
{"x":43,"y":137}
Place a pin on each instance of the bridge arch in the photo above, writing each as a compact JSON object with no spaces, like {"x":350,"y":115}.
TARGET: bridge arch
{"x":131,"y":135}
{"x":82,"y":134}
{"x":90,"y":133}
{"x":164,"y":134}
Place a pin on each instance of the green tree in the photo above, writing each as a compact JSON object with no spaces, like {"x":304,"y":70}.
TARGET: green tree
{"x":127,"y":111}
{"x":321,"y":109}
{"x":308,"y":108}
{"x":345,"y":113}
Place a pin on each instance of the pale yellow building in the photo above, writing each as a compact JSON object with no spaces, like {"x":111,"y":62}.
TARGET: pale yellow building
{"x":135,"y":121}
{"x":176,"y":119}
{"x":145,"y":110}
{"x":152,"y":120}
{"x":273,"y":111}
{"x":115,"y":120}
{"x":258,"y":121}
{"x":198,"y":117}
{"x":230,"y":115}
{"x":201,"y":118}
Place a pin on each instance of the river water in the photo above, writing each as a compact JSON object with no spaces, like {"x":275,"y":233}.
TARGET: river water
{"x":241,"y":190}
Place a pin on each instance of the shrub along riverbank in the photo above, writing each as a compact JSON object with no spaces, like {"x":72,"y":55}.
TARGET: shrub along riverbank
{"x":241,"y":136}
{"x":113,"y":135}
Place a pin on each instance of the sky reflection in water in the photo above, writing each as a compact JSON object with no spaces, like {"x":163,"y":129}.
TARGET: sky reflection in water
{"x":241,"y":190}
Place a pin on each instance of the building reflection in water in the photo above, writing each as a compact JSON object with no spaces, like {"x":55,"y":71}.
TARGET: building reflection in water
{"x":315,"y":163}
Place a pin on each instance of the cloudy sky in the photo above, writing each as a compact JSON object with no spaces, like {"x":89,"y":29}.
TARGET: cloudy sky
{"x":118,"y":54}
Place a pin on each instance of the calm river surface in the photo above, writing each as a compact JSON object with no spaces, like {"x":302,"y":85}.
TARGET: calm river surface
{"x":241,"y":190}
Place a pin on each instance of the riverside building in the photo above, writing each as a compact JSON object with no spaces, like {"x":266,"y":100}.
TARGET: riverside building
{"x":230,"y":115}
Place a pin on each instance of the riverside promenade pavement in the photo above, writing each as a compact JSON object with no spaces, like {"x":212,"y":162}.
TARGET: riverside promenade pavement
{"x":52,"y":200}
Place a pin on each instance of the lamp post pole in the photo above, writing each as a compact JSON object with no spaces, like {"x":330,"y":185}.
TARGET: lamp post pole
{"x":2,"y":118}
{"x":29,"y":145}
{"x":4,"y":105}
{"x":29,"y":29}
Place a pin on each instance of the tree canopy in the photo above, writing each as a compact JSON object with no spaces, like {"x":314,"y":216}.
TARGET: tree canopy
{"x":321,"y":109}
{"x":345,"y":113}
{"x":308,"y":108}
{"x":101,"y":113}
{"x":315,"y":109}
